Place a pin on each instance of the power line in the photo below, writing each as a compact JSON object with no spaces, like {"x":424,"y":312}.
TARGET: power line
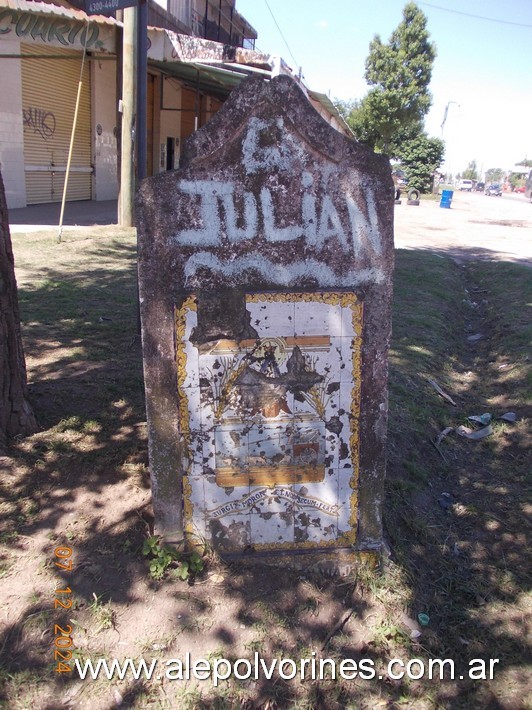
{"x":476,"y":17}
{"x":281,"y":33}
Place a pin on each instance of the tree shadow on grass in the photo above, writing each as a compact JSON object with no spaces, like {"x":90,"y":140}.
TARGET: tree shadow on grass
{"x":455,"y":513}
{"x":464,"y":564}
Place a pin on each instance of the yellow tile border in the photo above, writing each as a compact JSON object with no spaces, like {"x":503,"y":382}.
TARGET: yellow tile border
{"x":345,"y":300}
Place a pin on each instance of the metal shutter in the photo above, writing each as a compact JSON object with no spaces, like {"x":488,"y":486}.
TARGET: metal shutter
{"x":49,"y":90}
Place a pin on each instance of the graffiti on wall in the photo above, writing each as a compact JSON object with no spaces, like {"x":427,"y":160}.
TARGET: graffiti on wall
{"x":50,"y":30}
{"x":37,"y":120}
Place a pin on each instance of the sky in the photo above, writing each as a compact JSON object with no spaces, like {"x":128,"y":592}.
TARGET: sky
{"x":482,"y":73}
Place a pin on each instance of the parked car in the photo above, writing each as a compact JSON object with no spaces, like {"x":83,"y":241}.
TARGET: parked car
{"x":493,"y":190}
{"x":520,"y":189}
{"x":466,"y":185}
{"x":479,"y":187}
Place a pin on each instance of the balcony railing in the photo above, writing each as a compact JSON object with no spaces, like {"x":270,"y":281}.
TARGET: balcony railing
{"x":210,"y":29}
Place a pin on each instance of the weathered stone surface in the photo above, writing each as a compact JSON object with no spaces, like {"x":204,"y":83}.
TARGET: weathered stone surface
{"x":265,"y":269}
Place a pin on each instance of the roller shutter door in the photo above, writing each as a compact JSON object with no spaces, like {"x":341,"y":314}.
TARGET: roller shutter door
{"x":49,"y":90}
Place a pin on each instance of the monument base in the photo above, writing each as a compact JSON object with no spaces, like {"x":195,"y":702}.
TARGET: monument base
{"x":337,"y":562}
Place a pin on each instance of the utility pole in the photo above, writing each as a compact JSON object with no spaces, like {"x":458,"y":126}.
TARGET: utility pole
{"x":129,"y":73}
{"x":142,"y":88}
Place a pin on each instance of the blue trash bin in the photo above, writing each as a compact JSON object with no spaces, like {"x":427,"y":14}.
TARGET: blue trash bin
{"x":446,"y":199}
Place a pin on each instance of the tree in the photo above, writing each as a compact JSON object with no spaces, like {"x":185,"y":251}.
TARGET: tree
{"x":16,"y":415}
{"x":420,"y":157}
{"x":399,"y":73}
{"x":516,"y":180}
{"x":346,"y":108}
{"x":471,"y":172}
{"x":525,"y":163}
{"x":494,"y":175}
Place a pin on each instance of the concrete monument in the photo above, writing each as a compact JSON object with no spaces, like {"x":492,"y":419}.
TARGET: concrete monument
{"x":265,"y":268}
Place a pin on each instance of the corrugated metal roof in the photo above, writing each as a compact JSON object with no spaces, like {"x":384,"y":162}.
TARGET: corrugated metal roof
{"x":47,"y":9}
{"x":215,"y":81}
{"x":327,"y":104}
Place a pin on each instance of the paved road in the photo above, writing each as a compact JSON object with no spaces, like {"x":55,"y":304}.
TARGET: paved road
{"x":476,"y":226}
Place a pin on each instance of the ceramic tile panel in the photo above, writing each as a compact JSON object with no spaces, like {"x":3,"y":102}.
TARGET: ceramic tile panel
{"x":229,"y":533}
{"x":186,"y":321}
{"x":270,"y":424}
{"x":195,"y":524}
{"x":196,"y":497}
{"x":269,"y":529}
{"x":194,"y":505}
{"x":265,"y":501}
{"x":316,"y":527}
{"x":192,"y":399}
{"x":274,"y":318}
{"x":318,"y":319}
{"x":319,"y":496}
{"x":351,"y":371}
{"x":351,"y":324}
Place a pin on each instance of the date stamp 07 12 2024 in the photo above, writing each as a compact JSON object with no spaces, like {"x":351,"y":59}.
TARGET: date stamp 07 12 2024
{"x":63,"y":600}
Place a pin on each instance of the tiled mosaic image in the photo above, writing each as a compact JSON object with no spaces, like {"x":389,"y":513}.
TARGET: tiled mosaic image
{"x":271,"y":424}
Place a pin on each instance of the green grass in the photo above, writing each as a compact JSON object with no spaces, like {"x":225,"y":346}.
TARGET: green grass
{"x":466,"y":566}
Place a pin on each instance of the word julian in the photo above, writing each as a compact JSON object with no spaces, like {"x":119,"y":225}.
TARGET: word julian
{"x":320,"y":221}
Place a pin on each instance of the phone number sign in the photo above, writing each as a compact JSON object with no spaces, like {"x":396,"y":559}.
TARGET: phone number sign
{"x":107,"y":7}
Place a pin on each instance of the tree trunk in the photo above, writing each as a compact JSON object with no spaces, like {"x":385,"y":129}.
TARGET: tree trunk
{"x":16,"y":414}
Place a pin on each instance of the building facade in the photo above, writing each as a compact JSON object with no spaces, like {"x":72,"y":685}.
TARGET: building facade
{"x":198,"y":51}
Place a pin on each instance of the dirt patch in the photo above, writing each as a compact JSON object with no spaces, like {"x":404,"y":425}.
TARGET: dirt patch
{"x":82,"y":483}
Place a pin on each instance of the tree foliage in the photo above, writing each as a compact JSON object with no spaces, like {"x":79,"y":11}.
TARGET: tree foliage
{"x":494,"y":175}
{"x":471,"y":172}
{"x":516,"y":180}
{"x":525,"y":163}
{"x":420,"y":157}
{"x":399,"y":74}
{"x":346,"y":108}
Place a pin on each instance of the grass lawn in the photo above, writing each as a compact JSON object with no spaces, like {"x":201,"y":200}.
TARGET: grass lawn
{"x":456,"y":512}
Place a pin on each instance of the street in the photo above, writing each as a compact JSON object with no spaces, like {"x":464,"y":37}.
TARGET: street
{"x":476,"y":226}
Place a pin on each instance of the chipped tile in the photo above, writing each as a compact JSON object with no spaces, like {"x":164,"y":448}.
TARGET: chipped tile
{"x":271,"y":528}
{"x":270,"y":425}
{"x":272,"y":318}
